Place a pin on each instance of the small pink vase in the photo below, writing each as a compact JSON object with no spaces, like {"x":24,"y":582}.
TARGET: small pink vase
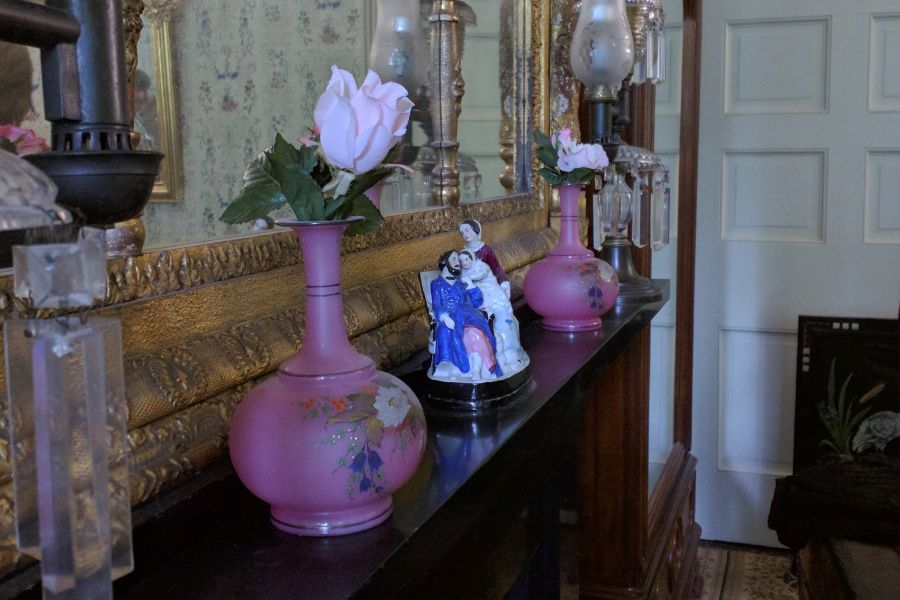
{"x":374,"y":194}
{"x":328,"y":439}
{"x":570,"y":288}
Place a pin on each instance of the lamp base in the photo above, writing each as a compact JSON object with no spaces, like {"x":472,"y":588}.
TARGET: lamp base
{"x":125,"y":239}
{"x":633,"y":287}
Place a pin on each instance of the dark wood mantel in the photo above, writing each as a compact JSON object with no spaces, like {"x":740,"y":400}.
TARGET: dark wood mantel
{"x":480,"y":519}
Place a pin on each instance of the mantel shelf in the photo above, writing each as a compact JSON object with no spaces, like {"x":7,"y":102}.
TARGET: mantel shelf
{"x":217,"y":542}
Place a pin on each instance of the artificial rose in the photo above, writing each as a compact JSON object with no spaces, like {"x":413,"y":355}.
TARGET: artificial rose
{"x":359,"y":125}
{"x":573,"y":155}
{"x":25,"y":140}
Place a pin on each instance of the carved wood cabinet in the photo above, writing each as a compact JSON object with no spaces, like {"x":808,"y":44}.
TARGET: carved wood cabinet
{"x":633,"y":543}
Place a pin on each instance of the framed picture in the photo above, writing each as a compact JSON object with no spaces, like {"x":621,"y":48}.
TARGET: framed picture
{"x":848,"y":389}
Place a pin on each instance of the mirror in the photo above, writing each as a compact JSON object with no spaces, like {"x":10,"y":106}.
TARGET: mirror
{"x":217,"y":78}
{"x":226,"y":75}
{"x":662,"y":329}
{"x":155,"y":100}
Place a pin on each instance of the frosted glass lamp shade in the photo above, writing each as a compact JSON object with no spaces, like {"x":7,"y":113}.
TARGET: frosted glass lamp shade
{"x":602,"y":52}
{"x":399,"y":49}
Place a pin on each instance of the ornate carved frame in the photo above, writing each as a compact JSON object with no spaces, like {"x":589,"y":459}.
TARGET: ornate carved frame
{"x":203,"y":323}
{"x":169,"y":186}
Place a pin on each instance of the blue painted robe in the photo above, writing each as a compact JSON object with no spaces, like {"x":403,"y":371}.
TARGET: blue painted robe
{"x":461,"y":305}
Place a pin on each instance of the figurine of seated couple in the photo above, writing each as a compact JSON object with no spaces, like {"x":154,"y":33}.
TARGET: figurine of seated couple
{"x":476,"y":335}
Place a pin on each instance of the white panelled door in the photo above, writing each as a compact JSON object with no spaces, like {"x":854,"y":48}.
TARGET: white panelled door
{"x":798,"y":213}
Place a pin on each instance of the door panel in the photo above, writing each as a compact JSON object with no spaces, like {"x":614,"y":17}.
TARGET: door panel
{"x":798,"y":213}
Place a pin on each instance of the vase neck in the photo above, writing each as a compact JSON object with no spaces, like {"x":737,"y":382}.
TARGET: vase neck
{"x":326,"y":348}
{"x":569,"y":242}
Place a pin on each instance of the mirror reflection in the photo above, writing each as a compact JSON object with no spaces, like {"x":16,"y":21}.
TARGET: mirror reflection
{"x":217,"y":79}
{"x":662,"y":328}
{"x":242,"y":69}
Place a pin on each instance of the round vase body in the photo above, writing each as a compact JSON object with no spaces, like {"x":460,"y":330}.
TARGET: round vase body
{"x":570,"y":288}
{"x":327,"y":453}
{"x":329,"y":439}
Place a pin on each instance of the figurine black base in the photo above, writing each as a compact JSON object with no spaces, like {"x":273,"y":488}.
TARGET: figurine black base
{"x":477,"y":397}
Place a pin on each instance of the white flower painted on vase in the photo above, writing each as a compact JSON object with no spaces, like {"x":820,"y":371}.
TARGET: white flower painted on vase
{"x":392,"y":406}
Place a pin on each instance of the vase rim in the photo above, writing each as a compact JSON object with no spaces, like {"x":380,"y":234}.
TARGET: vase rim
{"x":298,"y":223}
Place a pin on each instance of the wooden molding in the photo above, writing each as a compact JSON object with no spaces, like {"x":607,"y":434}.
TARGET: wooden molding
{"x":687,"y":221}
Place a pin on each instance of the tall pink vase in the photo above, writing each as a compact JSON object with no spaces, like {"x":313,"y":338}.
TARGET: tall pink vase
{"x":570,"y":287}
{"x":328,"y":439}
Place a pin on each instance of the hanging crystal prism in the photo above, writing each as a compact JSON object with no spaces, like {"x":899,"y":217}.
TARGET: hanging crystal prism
{"x":660,"y":210}
{"x":640,"y":217}
{"x":68,"y":423}
{"x":656,"y":60}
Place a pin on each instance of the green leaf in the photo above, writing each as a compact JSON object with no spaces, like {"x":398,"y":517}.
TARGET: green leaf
{"x":8,"y":145}
{"x":541,"y":139}
{"x":349,"y":416}
{"x":254,"y":202}
{"x":366,"y":180}
{"x":553,"y":177}
{"x":580,"y":175}
{"x":363,"y":207}
{"x":357,"y":188}
{"x":308,"y":158}
{"x":548,"y":156}
{"x":283,"y":151}
{"x":545,"y":151}
{"x":842,"y":396}
{"x":303,"y":194}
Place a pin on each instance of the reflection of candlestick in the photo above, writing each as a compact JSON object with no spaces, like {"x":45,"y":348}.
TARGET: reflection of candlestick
{"x":509,"y":68}
{"x":446,"y":89}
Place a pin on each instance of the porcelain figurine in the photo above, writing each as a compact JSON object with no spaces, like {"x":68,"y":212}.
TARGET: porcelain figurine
{"x":477,"y":357}
{"x":470,"y":229}
{"x":464,"y":345}
{"x":499,"y":309}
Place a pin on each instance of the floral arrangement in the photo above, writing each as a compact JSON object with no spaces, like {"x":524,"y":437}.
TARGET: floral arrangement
{"x":326,"y":177}
{"x":21,"y":141}
{"x":566,"y":161}
{"x":361,"y":419}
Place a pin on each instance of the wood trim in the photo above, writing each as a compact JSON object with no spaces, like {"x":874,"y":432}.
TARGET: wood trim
{"x":612,"y":476}
{"x":687,"y":221}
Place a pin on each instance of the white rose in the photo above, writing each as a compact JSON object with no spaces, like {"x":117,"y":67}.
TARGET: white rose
{"x":358,"y":126}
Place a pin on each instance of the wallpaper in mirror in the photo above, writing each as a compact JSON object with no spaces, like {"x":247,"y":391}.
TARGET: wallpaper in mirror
{"x":243,"y":69}
{"x":662,"y":328}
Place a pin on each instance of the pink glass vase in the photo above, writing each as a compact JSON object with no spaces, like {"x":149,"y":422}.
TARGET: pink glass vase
{"x":374,"y":194}
{"x":328,"y":439}
{"x":570,"y":287}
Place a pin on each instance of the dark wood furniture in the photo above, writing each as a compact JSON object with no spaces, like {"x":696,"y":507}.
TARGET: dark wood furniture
{"x":834,"y":569}
{"x":632,"y":547}
{"x":480,"y":518}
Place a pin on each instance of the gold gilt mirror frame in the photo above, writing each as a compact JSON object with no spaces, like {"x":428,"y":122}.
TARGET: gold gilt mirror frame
{"x":203,"y":323}
{"x":158,"y":16}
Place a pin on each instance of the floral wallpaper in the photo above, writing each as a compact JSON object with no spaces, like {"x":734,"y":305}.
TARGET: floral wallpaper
{"x":243,"y":70}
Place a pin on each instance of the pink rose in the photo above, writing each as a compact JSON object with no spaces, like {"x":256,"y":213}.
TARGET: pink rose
{"x":26,"y":140}
{"x":573,"y":155}
{"x":359,"y":125}
{"x":563,"y":138}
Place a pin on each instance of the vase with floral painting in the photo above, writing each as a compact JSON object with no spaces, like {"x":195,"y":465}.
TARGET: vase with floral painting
{"x":570,"y":288}
{"x":329,"y":438}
